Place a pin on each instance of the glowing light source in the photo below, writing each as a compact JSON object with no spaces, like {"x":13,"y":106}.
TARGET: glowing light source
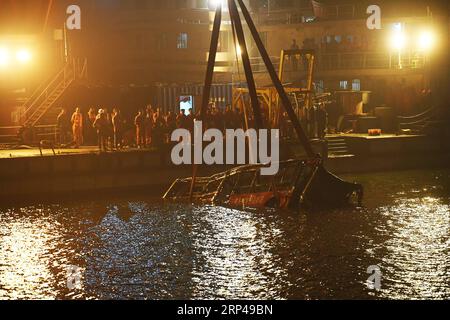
{"x":398,"y":40}
{"x":4,"y":57}
{"x":23,"y":56}
{"x":215,"y":3}
{"x":426,"y":41}
{"x":238,"y":50}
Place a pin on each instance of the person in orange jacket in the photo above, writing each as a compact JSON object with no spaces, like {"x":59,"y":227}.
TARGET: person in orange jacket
{"x":77,"y":127}
{"x":139,"y":122}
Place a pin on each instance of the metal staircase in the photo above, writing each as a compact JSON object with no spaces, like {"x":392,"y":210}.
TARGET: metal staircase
{"x":47,"y":95}
{"x":337,"y":146}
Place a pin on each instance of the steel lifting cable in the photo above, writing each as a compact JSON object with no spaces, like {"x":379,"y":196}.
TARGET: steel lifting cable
{"x":236,"y":46}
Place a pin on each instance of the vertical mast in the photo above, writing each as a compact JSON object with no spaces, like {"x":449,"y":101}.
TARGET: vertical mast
{"x":276,"y":81}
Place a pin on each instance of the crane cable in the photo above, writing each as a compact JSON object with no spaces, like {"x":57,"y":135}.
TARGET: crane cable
{"x":236,"y":46}
{"x":47,"y":16}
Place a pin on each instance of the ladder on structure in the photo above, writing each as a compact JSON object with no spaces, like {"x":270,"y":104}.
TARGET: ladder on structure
{"x":46,"y":95}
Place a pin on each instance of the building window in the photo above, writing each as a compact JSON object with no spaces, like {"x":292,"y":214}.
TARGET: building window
{"x":343,"y":85}
{"x":356,"y":85}
{"x":182,"y":42}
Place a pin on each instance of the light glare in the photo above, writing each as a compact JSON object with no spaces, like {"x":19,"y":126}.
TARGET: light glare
{"x":398,"y":40}
{"x":4,"y":57}
{"x":426,"y":41}
{"x":215,"y":3}
{"x":23,"y":56}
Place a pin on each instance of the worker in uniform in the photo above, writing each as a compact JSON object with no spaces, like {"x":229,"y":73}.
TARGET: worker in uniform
{"x":77,"y":127}
{"x":158,"y":128}
{"x":118,"y":128}
{"x":149,"y":126}
{"x":63,"y":126}
{"x":90,"y":133}
{"x":139,"y":122}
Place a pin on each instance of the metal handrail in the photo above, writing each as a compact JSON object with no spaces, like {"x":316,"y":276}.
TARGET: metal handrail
{"x":37,"y":109}
{"x":45,"y":91}
{"x":36,"y":92}
{"x":418,"y":116}
{"x":65,"y":77}
{"x":42,"y":130}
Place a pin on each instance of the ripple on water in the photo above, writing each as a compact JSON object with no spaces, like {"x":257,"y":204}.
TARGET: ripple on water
{"x":135,"y":248}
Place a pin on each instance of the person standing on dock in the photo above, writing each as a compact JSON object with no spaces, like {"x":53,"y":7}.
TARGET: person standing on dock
{"x":139,"y":122}
{"x":190,"y":121}
{"x":149,"y":126}
{"x":158,"y":128}
{"x":181,"y":120}
{"x":171,"y":123}
{"x":77,"y":127}
{"x":101,"y":124}
{"x":90,"y":133}
{"x":118,"y":127}
{"x":63,"y":126}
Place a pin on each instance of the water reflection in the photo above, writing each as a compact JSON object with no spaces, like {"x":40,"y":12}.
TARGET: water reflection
{"x":417,"y":249}
{"x":26,"y":257}
{"x":234,"y":251}
{"x":134,"y":248}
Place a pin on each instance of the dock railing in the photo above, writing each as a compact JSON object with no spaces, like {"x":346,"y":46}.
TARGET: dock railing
{"x":10,"y":135}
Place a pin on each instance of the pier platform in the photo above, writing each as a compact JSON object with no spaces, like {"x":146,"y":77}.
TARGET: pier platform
{"x":25,"y":174}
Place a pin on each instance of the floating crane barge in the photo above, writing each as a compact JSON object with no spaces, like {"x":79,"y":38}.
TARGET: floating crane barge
{"x":299,"y":182}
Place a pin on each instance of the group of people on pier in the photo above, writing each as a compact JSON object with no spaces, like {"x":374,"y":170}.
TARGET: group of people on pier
{"x":150,"y":127}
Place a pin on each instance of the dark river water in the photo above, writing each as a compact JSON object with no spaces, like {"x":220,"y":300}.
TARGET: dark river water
{"x":134,"y":247}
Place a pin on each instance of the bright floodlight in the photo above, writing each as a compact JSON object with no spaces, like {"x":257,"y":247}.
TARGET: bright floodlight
{"x":398,"y":40}
{"x":426,"y":41}
{"x":4,"y":57}
{"x":23,"y":56}
{"x":215,"y":3}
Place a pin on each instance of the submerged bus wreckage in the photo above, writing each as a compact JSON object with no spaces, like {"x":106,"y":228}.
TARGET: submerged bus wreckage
{"x":299,"y":182}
